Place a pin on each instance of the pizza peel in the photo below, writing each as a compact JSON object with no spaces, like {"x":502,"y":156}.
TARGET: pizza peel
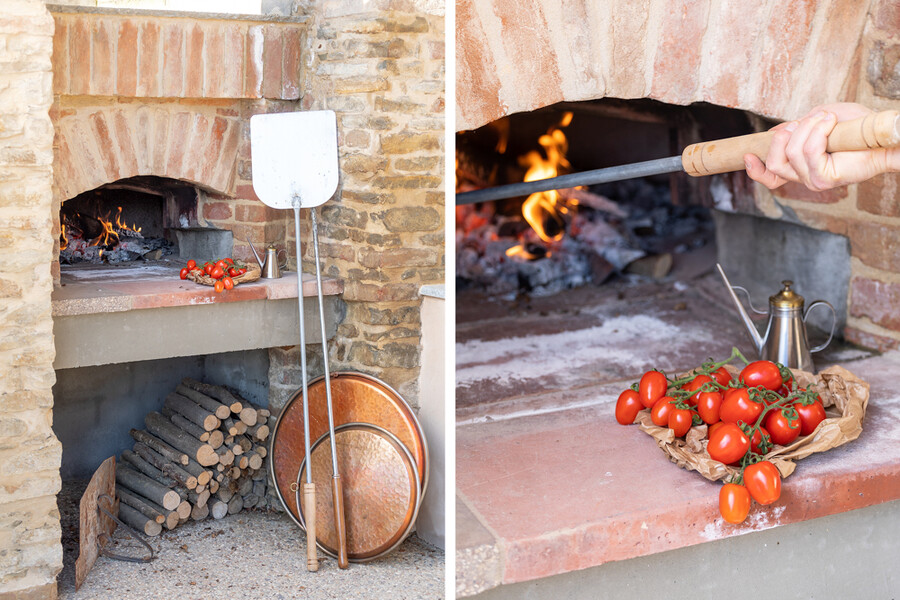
{"x":295,"y":165}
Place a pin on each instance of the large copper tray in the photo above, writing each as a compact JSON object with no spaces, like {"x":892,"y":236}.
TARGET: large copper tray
{"x":381,"y":491}
{"x":357,"y":398}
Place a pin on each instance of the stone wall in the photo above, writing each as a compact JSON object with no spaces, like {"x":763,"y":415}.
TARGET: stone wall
{"x":382,"y":72}
{"x":30,"y":550}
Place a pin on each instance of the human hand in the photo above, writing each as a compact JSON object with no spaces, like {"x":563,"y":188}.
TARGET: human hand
{"x":797,"y":153}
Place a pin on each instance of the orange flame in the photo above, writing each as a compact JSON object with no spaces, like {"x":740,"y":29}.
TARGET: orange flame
{"x":543,"y":205}
{"x":110,"y":234}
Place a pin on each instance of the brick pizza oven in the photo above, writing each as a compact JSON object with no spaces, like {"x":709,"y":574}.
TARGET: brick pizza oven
{"x":775,"y":61}
{"x":92,"y":96}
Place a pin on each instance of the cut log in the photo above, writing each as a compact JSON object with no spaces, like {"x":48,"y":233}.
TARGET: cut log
{"x":132,"y":517}
{"x":235,"y":472}
{"x":217,"y":392}
{"x":192,"y":497}
{"x":254,"y":461}
{"x":218,"y":509}
{"x":249,"y":416}
{"x":258,"y":475}
{"x":250,"y":500}
{"x":216,"y":438}
{"x":241,"y":462}
{"x":230,"y":426}
{"x":202,"y":474}
{"x":236,"y":449}
{"x":184,"y":511}
{"x":192,"y":411}
{"x":192,"y":428}
{"x":225,"y":494}
{"x":245,"y":486}
{"x":235,"y":505}
{"x":224,"y":456}
{"x":245,"y":443}
{"x":146,"y":487}
{"x":198,"y":513}
{"x":203,"y":399}
{"x":142,"y":466}
{"x":172,"y":520}
{"x":259,"y":488}
{"x":147,"y":508}
{"x":160,"y":446}
{"x":259,"y":432}
{"x":261,"y":450}
{"x":160,"y":426}
{"x":213,"y":486}
{"x":167,"y":468}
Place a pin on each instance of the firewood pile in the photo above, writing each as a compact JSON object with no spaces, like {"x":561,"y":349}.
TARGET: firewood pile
{"x":202,"y":456}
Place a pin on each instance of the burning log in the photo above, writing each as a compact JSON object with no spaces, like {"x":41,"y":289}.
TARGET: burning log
{"x":148,"y":488}
{"x":160,"y":426}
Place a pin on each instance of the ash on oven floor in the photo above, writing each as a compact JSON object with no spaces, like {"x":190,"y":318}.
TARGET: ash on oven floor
{"x":252,"y":555}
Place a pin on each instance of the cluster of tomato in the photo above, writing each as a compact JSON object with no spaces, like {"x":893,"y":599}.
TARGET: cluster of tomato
{"x":221,"y":270}
{"x":745,"y":418}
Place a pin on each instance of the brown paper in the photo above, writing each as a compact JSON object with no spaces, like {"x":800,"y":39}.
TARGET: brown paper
{"x":844,"y":396}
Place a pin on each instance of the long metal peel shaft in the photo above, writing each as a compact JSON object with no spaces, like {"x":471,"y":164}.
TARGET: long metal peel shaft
{"x":309,"y":488}
{"x":336,"y":486}
{"x":875,"y":130}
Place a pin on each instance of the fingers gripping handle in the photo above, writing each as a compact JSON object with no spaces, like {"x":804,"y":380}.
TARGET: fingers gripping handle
{"x":309,"y":506}
{"x":876,"y":130}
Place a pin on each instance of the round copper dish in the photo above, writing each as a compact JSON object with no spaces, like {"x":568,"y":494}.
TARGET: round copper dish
{"x":381,"y":491}
{"x":357,"y":398}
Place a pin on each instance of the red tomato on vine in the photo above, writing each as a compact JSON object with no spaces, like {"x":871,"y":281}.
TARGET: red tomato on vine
{"x":734,"y":503}
{"x":764,"y":373}
{"x":627,"y":407}
{"x":652,"y":387}
{"x":763,"y":481}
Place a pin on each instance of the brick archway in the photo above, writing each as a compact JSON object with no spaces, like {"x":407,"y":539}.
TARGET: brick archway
{"x":97,"y":146}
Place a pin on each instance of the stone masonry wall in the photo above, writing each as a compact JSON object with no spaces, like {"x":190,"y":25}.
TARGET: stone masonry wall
{"x":382,"y":72}
{"x":30,"y":550}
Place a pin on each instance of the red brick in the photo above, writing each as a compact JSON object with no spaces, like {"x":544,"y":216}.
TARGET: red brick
{"x":875,"y":245}
{"x":214,"y":63}
{"x":217,"y":210}
{"x":823,"y":221}
{"x":782,"y":52}
{"x":80,"y":56}
{"x":212,"y":149}
{"x":887,"y":16}
{"x":235,"y":50}
{"x":254,"y":213}
{"x":223,"y":174}
{"x":103,"y":49}
{"x":150,"y":59}
{"x":173,"y":60}
{"x":877,"y":301}
{"x":870,"y":340}
{"x":796,"y":191}
{"x":127,"y":58}
{"x":675,"y":72}
{"x":105,"y":144}
{"x":125,"y":144}
{"x":476,"y":71}
{"x":177,"y":143}
{"x":60,"y":57}
{"x":293,"y":50}
{"x":246,"y":192}
{"x":879,"y":195}
{"x":253,"y":62}
{"x":196,"y":67}
{"x":273,"y":47}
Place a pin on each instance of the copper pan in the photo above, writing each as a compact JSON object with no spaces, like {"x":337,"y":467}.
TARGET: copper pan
{"x":357,"y":398}
{"x":381,"y":491}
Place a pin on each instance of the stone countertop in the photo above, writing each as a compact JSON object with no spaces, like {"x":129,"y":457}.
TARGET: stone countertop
{"x":92,"y":290}
{"x":548,"y":482}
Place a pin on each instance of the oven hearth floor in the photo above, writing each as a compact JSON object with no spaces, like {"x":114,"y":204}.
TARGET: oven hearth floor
{"x":548,"y":483}
{"x":252,"y":555}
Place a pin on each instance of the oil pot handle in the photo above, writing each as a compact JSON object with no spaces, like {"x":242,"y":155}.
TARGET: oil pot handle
{"x":821,"y":347}
{"x":283,"y":263}
{"x":750,"y":300}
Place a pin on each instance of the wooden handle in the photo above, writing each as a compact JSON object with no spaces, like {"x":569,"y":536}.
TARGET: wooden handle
{"x":309,"y":512}
{"x":340,"y":527}
{"x":877,"y":130}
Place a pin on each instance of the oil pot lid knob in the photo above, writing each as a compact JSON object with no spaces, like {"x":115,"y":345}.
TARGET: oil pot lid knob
{"x":786,"y":298}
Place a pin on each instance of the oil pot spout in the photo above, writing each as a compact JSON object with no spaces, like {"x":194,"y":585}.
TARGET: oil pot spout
{"x":259,"y":261}
{"x":757,"y":340}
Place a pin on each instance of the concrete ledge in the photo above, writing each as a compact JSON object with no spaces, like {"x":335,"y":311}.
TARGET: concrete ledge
{"x":119,"y":316}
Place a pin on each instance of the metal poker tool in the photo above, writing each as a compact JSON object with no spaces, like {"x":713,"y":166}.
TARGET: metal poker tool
{"x":875,"y":130}
{"x":295,"y":166}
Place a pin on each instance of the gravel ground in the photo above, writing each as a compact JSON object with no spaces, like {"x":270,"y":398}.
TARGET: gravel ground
{"x":251,"y":555}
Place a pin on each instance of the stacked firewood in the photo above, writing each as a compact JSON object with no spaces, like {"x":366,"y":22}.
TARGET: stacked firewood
{"x":202,"y":456}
